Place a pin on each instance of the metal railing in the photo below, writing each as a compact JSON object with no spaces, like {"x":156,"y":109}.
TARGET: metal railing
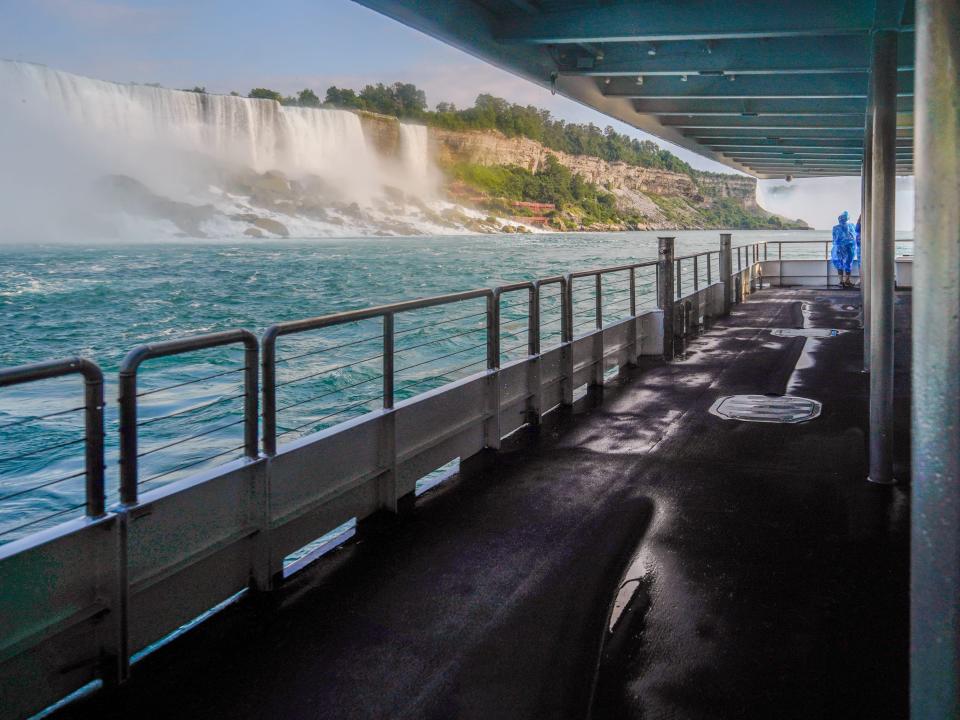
{"x":622,"y":285}
{"x":696,"y":271}
{"x":387,"y":315}
{"x":128,"y":398}
{"x":222,"y":528}
{"x":93,"y":434}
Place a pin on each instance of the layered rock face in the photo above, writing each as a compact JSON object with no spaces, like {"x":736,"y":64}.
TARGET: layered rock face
{"x":666,"y":199}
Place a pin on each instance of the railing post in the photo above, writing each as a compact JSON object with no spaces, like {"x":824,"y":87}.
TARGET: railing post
{"x":493,"y":366}
{"x":251,"y":393}
{"x":935,"y":508}
{"x":388,"y":360}
{"x":634,"y":333}
{"x":780,"y":264}
{"x":389,"y":489}
{"x":94,"y":437}
{"x":566,"y":338}
{"x":882,"y":256}
{"x":269,"y":390}
{"x":127,"y":402}
{"x":696,"y":273}
{"x":534,"y":375}
{"x":597,"y":381}
{"x":665,"y":290}
{"x":726,"y":270}
{"x":678,"y":272}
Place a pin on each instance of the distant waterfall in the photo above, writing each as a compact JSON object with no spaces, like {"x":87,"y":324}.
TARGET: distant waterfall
{"x":414,"y":153}
{"x":259,"y":134}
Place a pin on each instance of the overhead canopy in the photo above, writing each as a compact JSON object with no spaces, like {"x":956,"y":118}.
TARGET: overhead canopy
{"x":772,"y":88}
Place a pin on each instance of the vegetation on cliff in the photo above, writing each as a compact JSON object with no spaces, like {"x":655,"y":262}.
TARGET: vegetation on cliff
{"x":580,"y":204}
{"x":408,"y":102}
{"x":706,"y":202}
{"x":577,"y":201}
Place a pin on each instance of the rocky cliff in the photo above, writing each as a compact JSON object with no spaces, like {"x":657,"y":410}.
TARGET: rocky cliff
{"x":664,"y":199}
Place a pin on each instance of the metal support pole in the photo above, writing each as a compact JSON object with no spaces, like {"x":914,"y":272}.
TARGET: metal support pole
{"x":566,"y":337}
{"x":94,"y":437}
{"x":935,"y":542}
{"x":389,"y":488}
{"x":388,"y":360}
{"x":865,"y":227}
{"x":598,"y":300}
{"x":726,"y":270}
{"x":665,"y":290}
{"x":492,"y":426}
{"x":884,"y":69}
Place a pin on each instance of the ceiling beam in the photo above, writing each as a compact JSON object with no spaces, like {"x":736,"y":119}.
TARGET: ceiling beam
{"x":751,"y":156}
{"x":767,"y":123}
{"x":848,"y":85}
{"x":780,"y":56}
{"x":655,"y":20}
{"x":744,"y":143}
{"x":764,"y":107}
{"x":772,"y":123}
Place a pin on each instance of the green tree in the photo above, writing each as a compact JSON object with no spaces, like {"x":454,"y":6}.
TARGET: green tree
{"x":343,"y":98}
{"x":308,"y":98}
{"x":265,"y":94}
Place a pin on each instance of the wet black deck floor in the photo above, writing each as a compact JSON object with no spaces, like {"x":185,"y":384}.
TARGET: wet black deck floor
{"x":772,"y":578}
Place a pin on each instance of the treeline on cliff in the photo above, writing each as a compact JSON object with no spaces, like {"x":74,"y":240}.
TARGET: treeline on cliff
{"x":408,"y":102}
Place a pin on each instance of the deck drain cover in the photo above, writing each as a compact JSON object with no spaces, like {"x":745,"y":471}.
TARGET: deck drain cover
{"x":766,"y":408}
{"x":805,"y":332}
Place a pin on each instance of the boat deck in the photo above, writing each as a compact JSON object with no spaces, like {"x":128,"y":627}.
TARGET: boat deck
{"x":771,"y":578}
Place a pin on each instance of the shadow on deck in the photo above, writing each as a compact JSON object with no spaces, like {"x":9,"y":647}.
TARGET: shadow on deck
{"x":771,"y":579}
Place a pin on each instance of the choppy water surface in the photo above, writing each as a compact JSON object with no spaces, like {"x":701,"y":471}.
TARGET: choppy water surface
{"x":101,"y":301}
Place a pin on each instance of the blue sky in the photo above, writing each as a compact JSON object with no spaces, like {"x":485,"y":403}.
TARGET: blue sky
{"x":285,"y":45}
{"x":291,"y":44}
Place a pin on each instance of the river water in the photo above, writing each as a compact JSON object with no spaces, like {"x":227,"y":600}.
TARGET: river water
{"x":100,"y":301}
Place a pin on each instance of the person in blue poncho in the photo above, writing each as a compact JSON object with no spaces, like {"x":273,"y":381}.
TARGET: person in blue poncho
{"x":844,"y":248}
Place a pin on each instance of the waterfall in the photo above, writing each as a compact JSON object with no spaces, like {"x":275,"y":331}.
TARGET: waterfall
{"x":110,"y":158}
{"x":258,"y":134}
{"x":414,"y":153}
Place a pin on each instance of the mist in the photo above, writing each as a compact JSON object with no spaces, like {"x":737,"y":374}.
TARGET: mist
{"x":819,"y":201}
{"x":82,"y":156}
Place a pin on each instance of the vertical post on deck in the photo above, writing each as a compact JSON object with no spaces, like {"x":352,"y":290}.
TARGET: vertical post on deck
{"x":935,"y":541}
{"x":865,"y":234}
{"x":726,"y":270}
{"x":884,"y":70}
{"x":665,"y":290}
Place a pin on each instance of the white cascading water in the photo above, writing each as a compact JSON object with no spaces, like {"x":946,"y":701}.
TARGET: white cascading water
{"x":60,"y":133}
{"x":259,"y":134}
{"x":414,"y":152}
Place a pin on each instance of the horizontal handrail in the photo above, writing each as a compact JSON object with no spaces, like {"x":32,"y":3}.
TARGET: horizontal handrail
{"x":614,"y":268}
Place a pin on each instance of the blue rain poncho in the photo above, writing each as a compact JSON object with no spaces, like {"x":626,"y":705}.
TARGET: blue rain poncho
{"x":844,"y":243}
{"x":856,"y":257}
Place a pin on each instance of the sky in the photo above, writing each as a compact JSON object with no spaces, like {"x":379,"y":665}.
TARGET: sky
{"x":288,"y":45}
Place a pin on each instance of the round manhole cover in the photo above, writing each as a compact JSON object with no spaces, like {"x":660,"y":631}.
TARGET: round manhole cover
{"x":805,"y":332}
{"x":766,"y":408}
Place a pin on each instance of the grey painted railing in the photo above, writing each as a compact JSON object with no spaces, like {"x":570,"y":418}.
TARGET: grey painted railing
{"x":165,"y":555}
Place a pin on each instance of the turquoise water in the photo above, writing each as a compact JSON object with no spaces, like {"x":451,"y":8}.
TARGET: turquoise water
{"x":100,"y":301}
